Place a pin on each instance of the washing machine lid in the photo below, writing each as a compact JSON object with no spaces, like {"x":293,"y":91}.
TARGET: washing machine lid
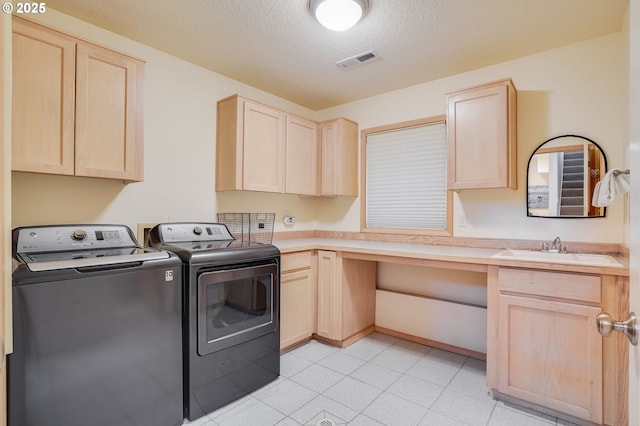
{"x":53,"y":247}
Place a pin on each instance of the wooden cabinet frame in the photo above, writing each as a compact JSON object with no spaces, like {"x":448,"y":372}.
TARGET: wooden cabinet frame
{"x":77,"y":107}
{"x":108,"y":115}
{"x":5,"y":208}
{"x":301,"y":175}
{"x":298,"y":300}
{"x":338,"y":158}
{"x":346,"y":298}
{"x":481,"y":137}
{"x":261,"y":148}
{"x":613,"y":297}
{"x":43,"y":103}
{"x":262,"y":142}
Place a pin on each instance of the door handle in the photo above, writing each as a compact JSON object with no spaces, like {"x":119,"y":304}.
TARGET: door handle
{"x":629,"y":327}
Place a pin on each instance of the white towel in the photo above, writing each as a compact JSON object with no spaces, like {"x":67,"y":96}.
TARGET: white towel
{"x":614,"y":182}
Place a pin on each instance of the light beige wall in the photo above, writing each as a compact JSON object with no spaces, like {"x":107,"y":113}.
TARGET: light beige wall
{"x":579,"y":89}
{"x":576,"y":89}
{"x":180,"y":132}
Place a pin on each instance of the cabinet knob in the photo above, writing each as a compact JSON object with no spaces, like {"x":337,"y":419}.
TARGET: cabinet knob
{"x":629,"y":327}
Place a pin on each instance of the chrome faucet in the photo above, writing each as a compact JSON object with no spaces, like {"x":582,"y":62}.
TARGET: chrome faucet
{"x":556,"y":246}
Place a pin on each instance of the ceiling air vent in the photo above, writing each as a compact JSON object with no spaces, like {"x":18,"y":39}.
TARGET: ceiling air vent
{"x":356,"y":60}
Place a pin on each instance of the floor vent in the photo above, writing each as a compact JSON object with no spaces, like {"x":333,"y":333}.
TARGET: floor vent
{"x":326,"y":422}
{"x":356,"y":60}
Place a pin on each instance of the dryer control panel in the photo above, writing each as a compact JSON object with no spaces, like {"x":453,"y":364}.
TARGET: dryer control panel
{"x":187,"y":232}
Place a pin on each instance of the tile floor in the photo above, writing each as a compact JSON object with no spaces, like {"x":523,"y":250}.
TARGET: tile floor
{"x":379,"y":380}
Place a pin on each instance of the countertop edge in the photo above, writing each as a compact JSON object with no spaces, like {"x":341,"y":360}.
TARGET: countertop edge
{"x":440,"y":253}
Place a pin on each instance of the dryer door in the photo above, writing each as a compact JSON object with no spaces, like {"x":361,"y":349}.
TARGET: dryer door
{"x":236,"y":305}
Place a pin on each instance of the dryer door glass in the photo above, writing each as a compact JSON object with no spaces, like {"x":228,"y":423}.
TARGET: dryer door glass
{"x":235,"y":305}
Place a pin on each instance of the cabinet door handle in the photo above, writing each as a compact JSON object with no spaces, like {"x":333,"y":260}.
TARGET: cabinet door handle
{"x":629,"y":327}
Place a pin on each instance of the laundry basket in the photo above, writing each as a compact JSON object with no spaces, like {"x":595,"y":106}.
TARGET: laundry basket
{"x":251,"y":227}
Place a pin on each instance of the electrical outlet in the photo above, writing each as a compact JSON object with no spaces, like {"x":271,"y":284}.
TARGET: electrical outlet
{"x":289,"y":220}
{"x":461,"y":220}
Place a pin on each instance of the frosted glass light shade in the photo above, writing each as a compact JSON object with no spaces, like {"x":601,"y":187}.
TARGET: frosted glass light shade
{"x":337,"y":15}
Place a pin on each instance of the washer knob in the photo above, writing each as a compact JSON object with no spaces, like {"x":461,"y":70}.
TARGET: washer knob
{"x":197,"y":230}
{"x":79,"y":235}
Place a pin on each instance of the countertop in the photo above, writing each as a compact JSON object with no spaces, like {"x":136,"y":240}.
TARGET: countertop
{"x":437,"y":255}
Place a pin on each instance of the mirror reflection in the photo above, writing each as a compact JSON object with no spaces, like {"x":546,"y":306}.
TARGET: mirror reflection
{"x":561,"y":176}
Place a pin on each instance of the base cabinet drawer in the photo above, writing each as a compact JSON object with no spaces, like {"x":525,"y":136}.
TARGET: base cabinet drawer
{"x":296,"y":261}
{"x":560,"y":285}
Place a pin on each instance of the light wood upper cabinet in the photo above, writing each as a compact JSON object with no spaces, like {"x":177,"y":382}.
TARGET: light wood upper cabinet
{"x":77,"y":108}
{"x":108,"y":114}
{"x":481,"y":137}
{"x":260,"y":148}
{"x":250,"y":146}
{"x":338,"y":171}
{"x":544,"y":346}
{"x":43,"y":99}
{"x":301,"y":156}
{"x":263,"y":148}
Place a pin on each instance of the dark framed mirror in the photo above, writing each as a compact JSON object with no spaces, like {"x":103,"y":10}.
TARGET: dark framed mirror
{"x":561,"y":175}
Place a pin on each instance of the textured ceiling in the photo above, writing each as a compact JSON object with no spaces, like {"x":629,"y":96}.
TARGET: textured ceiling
{"x":275,"y":45}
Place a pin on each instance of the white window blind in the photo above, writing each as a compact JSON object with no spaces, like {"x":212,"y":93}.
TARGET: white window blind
{"x":406,"y":178}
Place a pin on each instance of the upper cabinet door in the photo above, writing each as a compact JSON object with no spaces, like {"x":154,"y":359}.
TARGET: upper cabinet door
{"x":42,"y":99}
{"x":338,"y":158}
{"x":109,"y":140}
{"x":301,"y":156}
{"x":263,"y":148}
{"x":328,"y":176}
{"x":481,"y":137}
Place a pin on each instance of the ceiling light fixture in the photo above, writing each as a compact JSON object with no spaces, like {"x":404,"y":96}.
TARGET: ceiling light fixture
{"x":338,"y":15}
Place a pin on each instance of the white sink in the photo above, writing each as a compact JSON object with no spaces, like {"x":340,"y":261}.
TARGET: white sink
{"x":571,"y":258}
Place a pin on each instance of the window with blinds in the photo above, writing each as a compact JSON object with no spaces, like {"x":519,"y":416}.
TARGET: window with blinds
{"x":405,"y":178}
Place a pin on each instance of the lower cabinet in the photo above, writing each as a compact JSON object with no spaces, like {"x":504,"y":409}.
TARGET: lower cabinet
{"x":543,"y":344}
{"x":346,"y":297}
{"x":297,"y":298}
{"x":552,"y":355}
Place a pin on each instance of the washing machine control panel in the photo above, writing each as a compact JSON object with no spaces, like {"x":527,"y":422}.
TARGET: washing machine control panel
{"x":40,"y":239}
